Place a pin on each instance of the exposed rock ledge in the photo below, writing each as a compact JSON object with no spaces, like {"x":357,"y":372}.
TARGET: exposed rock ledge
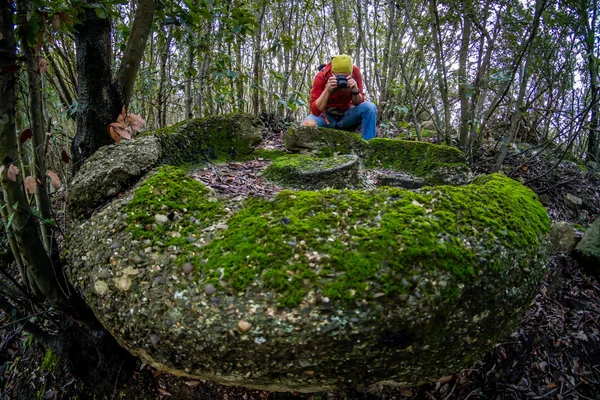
{"x":311,"y":290}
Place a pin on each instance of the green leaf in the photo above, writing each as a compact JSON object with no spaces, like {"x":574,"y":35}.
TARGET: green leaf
{"x":10,"y":220}
{"x":50,"y":222}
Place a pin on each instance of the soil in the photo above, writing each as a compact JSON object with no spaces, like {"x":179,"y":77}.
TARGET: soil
{"x":555,"y":353}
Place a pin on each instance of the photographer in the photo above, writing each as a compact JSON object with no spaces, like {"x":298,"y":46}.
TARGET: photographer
{"x":337,"y":99}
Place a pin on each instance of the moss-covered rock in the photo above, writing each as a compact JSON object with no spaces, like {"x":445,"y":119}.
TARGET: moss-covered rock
{"x":436,"y":164}
{"x":425,"y":162}
{"x":326,"y":142}
{"x":312,"y":290}
{"x":307,"y":172}
{"x":109,"y":171}
{"x":587,"y":251}
{"x":220,"y":138}
{"x":115,"y":168}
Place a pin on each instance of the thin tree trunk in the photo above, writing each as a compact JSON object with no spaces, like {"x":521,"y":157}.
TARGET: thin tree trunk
{"x":40,"y":268}
{"x":441,"y":70}
{"x":189,"y":95}
{"x":463,"y":80}
{"x":339,"y":28}
{"x":24,"y":8}
{"x":516,"y":116}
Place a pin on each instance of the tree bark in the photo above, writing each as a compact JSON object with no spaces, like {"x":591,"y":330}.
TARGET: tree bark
{"x":515,"y":119}
{"x":100,"y":99}
{"x":24,"y":8}
{"x":41,"y":271}
{"x":441,"y":70}
{"x":134,"y":49}
{"x":463,"y":79}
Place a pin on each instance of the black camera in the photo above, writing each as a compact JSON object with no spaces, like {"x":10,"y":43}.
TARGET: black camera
{"x":342,"y":82}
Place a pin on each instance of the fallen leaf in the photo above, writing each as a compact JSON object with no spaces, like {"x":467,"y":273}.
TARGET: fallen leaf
{"x":30,"y":184}
{"x":121,"y":130}
{"x":137,"y":123}
{"x":164,"y":392}
{"x":551,"y":385}
{"x":54,"y":179}
{"x":12,"y":172}
{"x":406,"y":392}
{"x":113,"y":134}
{"x":192,"y":383}
{"x":26,"y":134}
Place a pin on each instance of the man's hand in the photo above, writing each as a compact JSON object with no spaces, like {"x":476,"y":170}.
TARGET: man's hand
{"x":331,"y":84}
{"x":352,"y":85}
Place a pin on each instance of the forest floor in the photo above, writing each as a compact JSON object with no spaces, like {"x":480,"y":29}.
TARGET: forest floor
{"x":555,"y":353}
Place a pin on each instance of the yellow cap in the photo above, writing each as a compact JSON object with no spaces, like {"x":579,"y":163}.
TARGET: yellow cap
{"x":342,"y":64}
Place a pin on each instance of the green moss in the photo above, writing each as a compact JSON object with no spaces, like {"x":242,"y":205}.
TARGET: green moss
{"x":347,"y":245}
{"x":170,"y":192}
{"x":49,"y":361}
{"x":419,"y":158}
{"x":265,"y":154}
{"x":221,"y":138}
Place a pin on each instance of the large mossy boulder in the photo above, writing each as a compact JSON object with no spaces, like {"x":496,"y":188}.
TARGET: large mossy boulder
{"x":115,"y":168}
{"x":312,"y":290}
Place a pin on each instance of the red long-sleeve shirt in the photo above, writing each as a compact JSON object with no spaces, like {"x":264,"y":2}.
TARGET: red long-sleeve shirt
{"x":341,"y":99}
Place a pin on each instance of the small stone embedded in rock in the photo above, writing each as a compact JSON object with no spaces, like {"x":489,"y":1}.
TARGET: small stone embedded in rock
{"x":123,"y":283}
{"x":161,"y":219}
{"x":244,"y":326}
{"x":130,"y":271}
{"x":115,"y":245}
{"x":100,"y":287}
{"x":154,"y":339}
{"x":222,"y":226}
{"x":187,"y":268}
{"x":210,"y":289}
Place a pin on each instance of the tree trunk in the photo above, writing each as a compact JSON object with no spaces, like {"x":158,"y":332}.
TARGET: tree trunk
{"x":593,"y":64}
{"x":339,"y":28}
{"x":463,"y":80}
{"x":40,"y":270}
{"x":440,"y":63}
{"x":189,"y":95}
{"x":97,"y":100}
{"x":101,"y":101}
{"x":515,"y":120}
{"x":42,"y":199}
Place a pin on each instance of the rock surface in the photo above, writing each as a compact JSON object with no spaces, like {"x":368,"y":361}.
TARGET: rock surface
{"x":306,"y":172}
{"x":114,"y":168}
{"x":312,"y":290}
{"x":563,"y":237}
{"x":587,"y":251}
{"x":421,"y":163}
{"x":110,"y":171}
